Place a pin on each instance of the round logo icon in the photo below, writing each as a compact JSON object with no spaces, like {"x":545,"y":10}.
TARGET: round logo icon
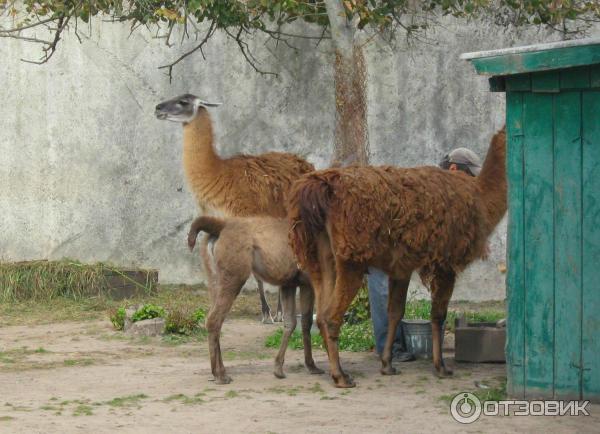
{"x":465,"y":408}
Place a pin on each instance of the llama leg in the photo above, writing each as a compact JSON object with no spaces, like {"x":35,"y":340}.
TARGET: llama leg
{"x":396,"y":305}
{"x":441,"y":292}
{"x":349,"y":278}
{"x":267,"y":318}
{"x":279,"y":313}
{"x":307,"y":301}
{"x":289,"y":325}
{"x":214,"y":321}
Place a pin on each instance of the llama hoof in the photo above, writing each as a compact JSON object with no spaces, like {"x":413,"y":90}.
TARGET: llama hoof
{"x":225,"y":379}
{"x":443,"y":372}
{"x":278,"y":317}
{"x":344,"y":382}
{"x":314,"y":370}
{"x":389,"y":370}
{"x":267,"y":319}
{"x":278,"y":372}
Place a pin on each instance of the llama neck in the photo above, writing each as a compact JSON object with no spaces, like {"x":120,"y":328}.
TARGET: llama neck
{"x":492,"y":180}
{"x":200,"y":161}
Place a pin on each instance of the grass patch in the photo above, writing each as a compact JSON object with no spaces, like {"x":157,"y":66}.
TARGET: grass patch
{"x":176,"y":339}
{"x":45,"y":280}
{"x":243,"y":355}
{"x":497,"y":393}
{"x":78,"y":362}
{"x":353,"y":337}
{"x":117,"y":318}
{"x":188,"y":400}
{"x":185,"y":320}
{"x":83,"y":410}
{"x":316,"y":388}
{"x":176,"y":397}
{"x":282,"y":390}
{"x":58,"y":309}
{"x":16,"y":357}
{"x":63,"y":309}
{"x":181,"y":320}
{"x":421,"y":309}
{"x":494,"y":393}
{"x":6,"y":418}
{"x":127,"y":401}
{"x":231,"y":394}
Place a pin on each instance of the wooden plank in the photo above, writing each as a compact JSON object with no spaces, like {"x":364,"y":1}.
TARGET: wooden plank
{"x":515,"y":285}
{"x":595,"y":76}
{"x":521,"y":82}
{"x":539,"y":244}
{"x":545,"y":82}
{"x":575,"y":78}
{"x":533,"y":61}
{"x":591,"y":245}
{"x":567,"y":244}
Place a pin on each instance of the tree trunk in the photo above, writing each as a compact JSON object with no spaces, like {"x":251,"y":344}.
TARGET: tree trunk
{"x":351,"y":144}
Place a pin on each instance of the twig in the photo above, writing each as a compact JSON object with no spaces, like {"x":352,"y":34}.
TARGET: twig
{"x":51,"y":48}
{"x":207,"y":36}
{"x":246,"y":53}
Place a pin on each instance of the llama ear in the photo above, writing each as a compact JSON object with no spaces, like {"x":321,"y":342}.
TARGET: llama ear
{"x":208,"y":104}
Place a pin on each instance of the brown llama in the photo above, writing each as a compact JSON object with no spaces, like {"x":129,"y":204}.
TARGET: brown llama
{"x":236,"y":248}
{"x":398,"y":220}
{"x":239,"y":186}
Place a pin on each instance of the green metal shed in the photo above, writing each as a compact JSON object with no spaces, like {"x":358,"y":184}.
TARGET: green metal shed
{"x":553,"y":165}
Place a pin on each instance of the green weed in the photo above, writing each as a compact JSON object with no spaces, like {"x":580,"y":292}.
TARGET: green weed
{"x":127,"y":401}
{"x":353,"y":337}
{"x":83,"y":410}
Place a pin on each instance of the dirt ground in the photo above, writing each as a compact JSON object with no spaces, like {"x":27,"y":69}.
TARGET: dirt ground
{"x":85,"y":377}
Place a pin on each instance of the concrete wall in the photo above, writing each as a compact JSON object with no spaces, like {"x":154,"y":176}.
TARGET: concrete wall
{"x":87,"y":172}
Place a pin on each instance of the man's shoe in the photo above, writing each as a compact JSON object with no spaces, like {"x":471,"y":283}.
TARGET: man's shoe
{"x":403,"y":357}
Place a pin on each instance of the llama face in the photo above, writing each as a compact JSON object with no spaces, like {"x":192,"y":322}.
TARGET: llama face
{"x":183,"y":108}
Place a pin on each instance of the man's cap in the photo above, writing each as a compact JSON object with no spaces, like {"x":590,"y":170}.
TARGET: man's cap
{"x":463,"y":157}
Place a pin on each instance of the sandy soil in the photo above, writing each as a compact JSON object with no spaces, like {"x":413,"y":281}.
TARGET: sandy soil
{"x":84,"y":377}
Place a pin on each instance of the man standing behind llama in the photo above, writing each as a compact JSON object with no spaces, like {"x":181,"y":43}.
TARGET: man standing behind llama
{"x":459,"y":159}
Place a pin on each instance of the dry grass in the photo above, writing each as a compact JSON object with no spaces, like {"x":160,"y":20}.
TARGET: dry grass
{"x":46,"y":280}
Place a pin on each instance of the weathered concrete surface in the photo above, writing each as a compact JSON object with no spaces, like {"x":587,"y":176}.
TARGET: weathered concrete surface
{"x":88,"y":172}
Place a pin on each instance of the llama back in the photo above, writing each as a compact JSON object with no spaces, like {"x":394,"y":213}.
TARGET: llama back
{"x":272,"y":175}
{"x":424,"y":214}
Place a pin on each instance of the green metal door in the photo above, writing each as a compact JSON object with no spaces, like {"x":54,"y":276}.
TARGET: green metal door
{"x":553,"y":281}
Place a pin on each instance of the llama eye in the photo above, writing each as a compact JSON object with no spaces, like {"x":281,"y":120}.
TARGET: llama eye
{"x":184,"y":103}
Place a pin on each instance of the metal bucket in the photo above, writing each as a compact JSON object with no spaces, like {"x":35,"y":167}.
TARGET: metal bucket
{"x":417,"y":337}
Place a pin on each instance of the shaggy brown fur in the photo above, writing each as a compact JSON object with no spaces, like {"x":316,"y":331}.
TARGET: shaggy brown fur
{"x":236,"y":248}
{"x":240,"y":186}
{"x":397,"y":220}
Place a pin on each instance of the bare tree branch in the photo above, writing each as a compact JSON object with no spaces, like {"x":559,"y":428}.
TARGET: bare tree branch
{"x":246,"y":53}
{"x":29,"y":26}
{"x":203,"y":42}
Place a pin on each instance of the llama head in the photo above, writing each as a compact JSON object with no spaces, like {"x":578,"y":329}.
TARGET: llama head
{"x":183,"y":108}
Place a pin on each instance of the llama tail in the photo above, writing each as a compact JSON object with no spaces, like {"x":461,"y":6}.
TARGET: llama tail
{"x":211,"y":225}
{"x":308,"y":205}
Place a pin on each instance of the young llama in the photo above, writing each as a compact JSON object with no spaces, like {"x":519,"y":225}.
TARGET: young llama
{"x":398,"y":220}
{"x":239,"y":186}
{"x":237,"y":248}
